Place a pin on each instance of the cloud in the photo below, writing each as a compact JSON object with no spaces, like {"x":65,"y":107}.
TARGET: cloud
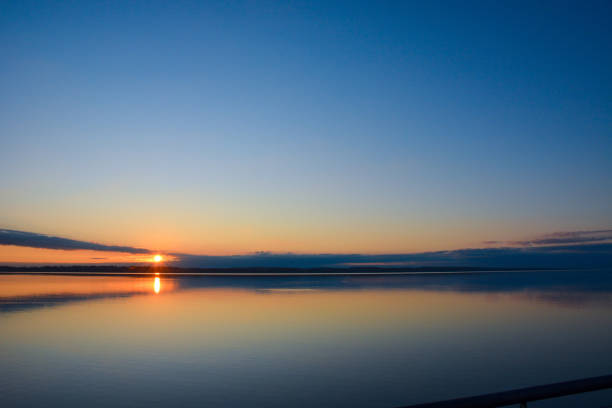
{"x":559,"y":256}
{"x":559,"y":238}
{"x":33,"y":240}
{"x":557,"y":250}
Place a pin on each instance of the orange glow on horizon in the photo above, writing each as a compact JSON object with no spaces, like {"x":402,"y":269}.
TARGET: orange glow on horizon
{"x":157,"y":258}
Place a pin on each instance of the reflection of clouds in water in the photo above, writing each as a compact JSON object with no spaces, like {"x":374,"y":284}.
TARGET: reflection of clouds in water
{"x":567,"y":288}
{"x":287,"y":290}
{"x":567,"y":298}
{"x":41,"y":285}
{"x":20,"y":292}
{"x":14,"y":304}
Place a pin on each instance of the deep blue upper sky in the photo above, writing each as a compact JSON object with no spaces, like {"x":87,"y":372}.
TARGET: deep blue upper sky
{"x":326,"y":126}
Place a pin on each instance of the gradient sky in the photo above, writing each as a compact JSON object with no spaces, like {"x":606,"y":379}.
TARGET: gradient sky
{"x":337,"y":127}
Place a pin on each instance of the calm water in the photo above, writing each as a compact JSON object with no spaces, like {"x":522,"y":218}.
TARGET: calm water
{"x":334,"y":341}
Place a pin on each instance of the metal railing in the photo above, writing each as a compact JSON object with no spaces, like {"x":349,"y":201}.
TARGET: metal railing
{"x":524,"y":395}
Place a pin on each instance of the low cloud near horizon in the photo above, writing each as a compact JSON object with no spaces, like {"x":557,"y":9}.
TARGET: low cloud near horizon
{"x":595,"y":255}
{"x":558,"y":238}
{"x":34,"y":240}
{"x":562,"y":249}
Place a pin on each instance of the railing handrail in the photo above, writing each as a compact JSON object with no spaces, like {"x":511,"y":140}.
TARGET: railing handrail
{"x":524,"y":395}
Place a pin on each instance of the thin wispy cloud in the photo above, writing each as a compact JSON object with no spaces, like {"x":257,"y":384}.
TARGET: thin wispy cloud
{"x":34,"y":240}
{"x":561,"y":238}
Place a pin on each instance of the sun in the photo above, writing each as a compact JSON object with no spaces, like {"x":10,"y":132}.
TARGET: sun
{"x":157,"y":258}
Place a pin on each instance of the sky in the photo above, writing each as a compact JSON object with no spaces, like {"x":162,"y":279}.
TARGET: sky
{"x":231,"y":128}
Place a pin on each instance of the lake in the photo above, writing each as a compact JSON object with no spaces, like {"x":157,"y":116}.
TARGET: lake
{"x":300,"y":341}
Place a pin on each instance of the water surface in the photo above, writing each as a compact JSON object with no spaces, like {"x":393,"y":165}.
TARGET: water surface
{"x":330,"y":341}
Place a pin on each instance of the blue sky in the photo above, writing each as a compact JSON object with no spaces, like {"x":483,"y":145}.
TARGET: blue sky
{"x":346,"y":127}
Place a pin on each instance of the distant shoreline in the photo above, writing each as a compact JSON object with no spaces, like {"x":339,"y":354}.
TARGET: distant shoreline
{"x":86,"y":270}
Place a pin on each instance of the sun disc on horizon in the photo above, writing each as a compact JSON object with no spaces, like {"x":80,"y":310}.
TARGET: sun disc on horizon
{"x":157,"y":258}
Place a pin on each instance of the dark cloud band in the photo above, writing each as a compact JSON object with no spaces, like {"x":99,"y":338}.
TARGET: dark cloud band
{"x":562,"y":238}
{"x":33,"y":240}
{"x":559,"y":256}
